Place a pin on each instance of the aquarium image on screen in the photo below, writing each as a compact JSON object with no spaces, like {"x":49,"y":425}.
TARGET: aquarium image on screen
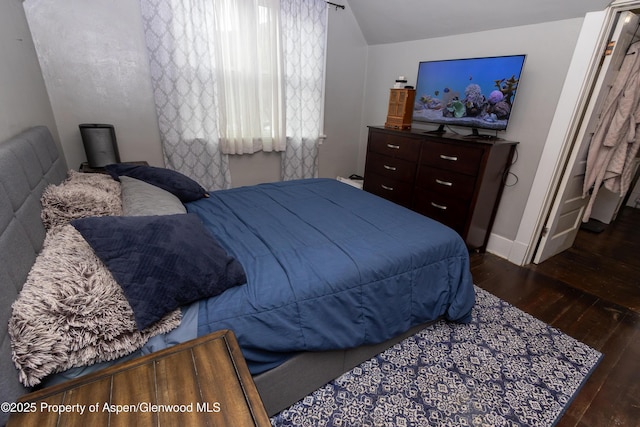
{"x":474,"y":92}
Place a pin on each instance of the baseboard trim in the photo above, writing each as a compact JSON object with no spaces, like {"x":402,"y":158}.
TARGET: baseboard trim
{"x":512,"y":251}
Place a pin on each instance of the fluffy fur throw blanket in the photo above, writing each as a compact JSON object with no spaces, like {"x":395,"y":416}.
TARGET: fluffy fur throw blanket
{"x":71,"y":312}
{"x":79,"y":196}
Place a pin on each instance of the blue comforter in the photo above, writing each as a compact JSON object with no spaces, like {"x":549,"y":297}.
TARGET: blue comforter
{"x":328,"y":266}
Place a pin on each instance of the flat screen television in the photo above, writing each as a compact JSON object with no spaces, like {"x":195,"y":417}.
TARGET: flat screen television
{"x":474,"y":92}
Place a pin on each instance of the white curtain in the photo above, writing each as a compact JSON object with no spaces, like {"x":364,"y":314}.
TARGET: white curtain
{"x":304,"y":35}
{"x":249,"y":72}
{"x":179,"y":38}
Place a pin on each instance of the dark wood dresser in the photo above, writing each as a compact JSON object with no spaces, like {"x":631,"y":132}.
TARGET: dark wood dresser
{"x":451,"y":178}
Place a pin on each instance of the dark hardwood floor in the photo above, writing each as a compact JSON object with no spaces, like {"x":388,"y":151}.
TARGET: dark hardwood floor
{"x":592,"y":293}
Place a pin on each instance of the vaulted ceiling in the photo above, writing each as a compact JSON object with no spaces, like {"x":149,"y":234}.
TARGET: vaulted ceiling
{"x":391,"y":21}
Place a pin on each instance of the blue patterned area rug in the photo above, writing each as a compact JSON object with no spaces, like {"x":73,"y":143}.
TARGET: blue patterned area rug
{"x":505,"y":368}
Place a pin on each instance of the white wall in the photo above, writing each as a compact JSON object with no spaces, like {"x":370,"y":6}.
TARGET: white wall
{"x":96,"y":71}
{"x":95,"y":66}
{"x":548,"y":46}
{"x":23,"y":96}
{"x":344,"y":94}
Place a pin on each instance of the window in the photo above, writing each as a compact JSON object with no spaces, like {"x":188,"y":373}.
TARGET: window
{"x":248,"y":62}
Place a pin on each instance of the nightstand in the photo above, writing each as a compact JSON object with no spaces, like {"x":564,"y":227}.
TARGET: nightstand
{"x":200,"y":382}
{"x":84,"y":167}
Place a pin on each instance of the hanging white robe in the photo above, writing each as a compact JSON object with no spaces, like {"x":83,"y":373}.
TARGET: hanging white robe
{"x":614,"y":144}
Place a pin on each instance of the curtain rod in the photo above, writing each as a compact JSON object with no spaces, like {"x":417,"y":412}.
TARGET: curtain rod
{"x":341,"y":6}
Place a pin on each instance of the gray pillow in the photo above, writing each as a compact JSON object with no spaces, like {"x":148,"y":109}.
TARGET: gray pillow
{"x":142,"y":199}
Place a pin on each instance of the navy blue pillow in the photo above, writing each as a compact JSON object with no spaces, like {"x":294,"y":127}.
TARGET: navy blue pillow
{"x":161,"y":262}
{"x":183,"y":187}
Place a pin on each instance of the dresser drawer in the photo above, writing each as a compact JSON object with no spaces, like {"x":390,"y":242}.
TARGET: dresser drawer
{"x":396,"y":146}
{"x":454,"y":157}
{"x":391,"y":189}
{"x":446,"y":183}
{"x":449,"y":211}
{"x":399,"y":169}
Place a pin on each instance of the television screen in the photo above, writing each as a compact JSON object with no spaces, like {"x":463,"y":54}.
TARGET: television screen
{"x":473,"y":92}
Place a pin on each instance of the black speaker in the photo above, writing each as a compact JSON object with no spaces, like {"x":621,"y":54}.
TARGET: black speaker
{"x":100,"y":144}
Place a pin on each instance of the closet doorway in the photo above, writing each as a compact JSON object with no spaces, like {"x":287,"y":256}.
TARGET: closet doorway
{"x":557,"y":229}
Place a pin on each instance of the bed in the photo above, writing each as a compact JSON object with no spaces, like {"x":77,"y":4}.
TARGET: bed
{"x":322,"y":275}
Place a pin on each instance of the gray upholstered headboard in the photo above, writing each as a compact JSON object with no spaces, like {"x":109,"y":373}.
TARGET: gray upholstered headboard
{"x":28,"y":163}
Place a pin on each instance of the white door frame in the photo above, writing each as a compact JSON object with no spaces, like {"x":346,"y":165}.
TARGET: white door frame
{"x":582,"y":73}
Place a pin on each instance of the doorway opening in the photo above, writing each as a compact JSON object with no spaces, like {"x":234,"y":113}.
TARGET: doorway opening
{"x":564,"y":206}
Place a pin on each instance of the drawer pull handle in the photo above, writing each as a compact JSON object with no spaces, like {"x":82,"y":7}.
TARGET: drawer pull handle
{"x":447,"y":183}
{"x":390,"y":168}
{"x":435,"y":205}
{"x":452,"y":158}
{"x":395,"y":147}
{"x":386,"y":188}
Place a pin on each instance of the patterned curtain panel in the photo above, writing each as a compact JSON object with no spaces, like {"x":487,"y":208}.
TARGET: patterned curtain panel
{"x":181,"y":58}
{"x":304,"y":35}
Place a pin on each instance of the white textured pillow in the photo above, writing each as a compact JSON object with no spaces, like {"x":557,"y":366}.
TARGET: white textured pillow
{"x":71,"y":312}
{"x":140,"y":199}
